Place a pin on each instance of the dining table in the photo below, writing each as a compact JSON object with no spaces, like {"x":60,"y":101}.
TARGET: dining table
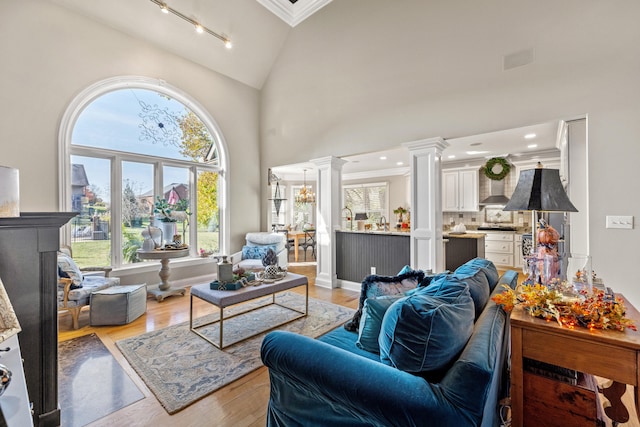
{"x":297,"y":235}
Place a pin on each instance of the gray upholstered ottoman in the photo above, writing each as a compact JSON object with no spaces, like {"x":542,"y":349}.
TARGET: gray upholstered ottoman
{"x":118,"y":305}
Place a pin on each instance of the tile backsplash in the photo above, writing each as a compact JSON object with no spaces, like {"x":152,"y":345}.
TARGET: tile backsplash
{"x":474,"y":219}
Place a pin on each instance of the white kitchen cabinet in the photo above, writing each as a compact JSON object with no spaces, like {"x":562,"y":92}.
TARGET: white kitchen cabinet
{"x":499,"y":247}
{"x":460,"y":190}
{"x":518,"y":260}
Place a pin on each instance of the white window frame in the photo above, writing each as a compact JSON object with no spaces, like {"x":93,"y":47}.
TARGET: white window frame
{"x":75,"y":109}
{"x":385,"y":184}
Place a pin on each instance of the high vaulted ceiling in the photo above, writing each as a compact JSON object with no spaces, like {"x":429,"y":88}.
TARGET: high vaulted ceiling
{"x":257,"y":28}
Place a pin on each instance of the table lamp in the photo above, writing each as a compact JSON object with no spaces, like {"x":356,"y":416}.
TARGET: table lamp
{"x":537,"y":190}
{"x":361,"y":218}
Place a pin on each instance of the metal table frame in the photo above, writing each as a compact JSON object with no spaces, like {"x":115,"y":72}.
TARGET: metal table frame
{"x":225,"y":299}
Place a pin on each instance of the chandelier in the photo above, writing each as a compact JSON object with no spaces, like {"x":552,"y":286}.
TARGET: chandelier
{"x":305,"y":195}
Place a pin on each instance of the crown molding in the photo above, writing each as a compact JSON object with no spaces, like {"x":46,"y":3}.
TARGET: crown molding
{"x":375,"y":174}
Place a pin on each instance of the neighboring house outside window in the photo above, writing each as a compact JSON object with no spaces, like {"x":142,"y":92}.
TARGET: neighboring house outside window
{"x":125,"y":145}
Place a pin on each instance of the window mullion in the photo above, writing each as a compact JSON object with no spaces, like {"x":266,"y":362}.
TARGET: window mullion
{"x":116,"y":211}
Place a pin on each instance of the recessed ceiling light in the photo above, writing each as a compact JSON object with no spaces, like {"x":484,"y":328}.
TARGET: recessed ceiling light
{"x":383,"y":157}
{"x":530,"y":136}
{"x":399,"y":163}
{"x":473,"y":153}
{"x":452,"y":156}
{"x":532,"y":145}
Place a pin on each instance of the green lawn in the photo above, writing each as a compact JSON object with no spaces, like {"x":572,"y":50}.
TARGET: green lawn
{"x":88,"y":253}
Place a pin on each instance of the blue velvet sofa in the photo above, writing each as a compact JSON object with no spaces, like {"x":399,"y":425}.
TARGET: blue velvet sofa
{"x":333,"y":381}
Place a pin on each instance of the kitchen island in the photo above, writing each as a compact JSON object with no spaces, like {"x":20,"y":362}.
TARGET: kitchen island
{"x":462,"y":247}
{"x":361,"y":253}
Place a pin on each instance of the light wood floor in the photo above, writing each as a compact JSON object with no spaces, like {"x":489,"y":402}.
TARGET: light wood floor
{"x":242,"y":403}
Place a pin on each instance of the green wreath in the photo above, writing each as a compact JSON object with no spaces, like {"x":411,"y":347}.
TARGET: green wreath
{"x":488,"y":168}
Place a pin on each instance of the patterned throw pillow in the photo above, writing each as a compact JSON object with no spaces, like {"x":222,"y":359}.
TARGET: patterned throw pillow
{"x":67,"y":265}
{"x":375,"y":286}
{"x":256,"y":252}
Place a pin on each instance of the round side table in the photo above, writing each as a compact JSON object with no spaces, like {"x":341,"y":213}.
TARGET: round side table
{"x":164,"y":289}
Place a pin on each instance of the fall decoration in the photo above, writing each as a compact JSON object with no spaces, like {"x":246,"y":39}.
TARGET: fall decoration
{"x":597,"y":310}
{"x":547,"y":235}
{"x":496,"y":176}
{"x":270,"y":258}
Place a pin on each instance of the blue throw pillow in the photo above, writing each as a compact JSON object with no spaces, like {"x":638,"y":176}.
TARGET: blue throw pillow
{"x":256,"y":252}
{"x":428,"y":278}
{"x":371,"y":321}
{"x":487,"y":267}
{"x":423,"y":333}
{"x":474,"y":274}
{"x":406,"y":269}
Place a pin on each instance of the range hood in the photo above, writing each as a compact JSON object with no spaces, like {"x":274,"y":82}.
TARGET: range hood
{"x":496,"y":194}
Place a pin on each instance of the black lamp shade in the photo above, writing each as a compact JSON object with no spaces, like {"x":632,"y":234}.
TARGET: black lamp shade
{"x":361,"y":216}
{"x":540,"y":190}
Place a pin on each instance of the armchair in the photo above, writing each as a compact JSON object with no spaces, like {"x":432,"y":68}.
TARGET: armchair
{"x":250,"y":258}
{"x":75,"y":288}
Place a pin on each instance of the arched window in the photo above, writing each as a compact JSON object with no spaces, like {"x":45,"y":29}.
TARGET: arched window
{"x":129,"y":145}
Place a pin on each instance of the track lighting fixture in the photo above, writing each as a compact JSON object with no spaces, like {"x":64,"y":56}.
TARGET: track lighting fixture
{"x":199,"y":27}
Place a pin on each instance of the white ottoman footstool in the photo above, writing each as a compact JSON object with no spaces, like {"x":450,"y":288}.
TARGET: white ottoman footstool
{"x":118,"y":305}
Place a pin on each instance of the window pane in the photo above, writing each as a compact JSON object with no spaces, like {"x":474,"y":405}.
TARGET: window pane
{"x":208,"y":212}
{"x":303,"y":213}
{"x":175,"y":190}
{"x":91,"y":197}
{"x":366,"y":198}
{"x":137,"y":203}
{"x":144,"y":122}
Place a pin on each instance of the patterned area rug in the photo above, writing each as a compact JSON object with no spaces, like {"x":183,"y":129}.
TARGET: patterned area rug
{"x":180,"y":367}
{"x":87,"y":370}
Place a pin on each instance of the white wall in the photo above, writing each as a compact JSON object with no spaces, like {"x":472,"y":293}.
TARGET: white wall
{"x":48,"y":55}
{"x":366,"y":75}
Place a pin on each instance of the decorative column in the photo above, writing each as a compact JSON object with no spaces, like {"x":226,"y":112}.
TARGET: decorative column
{"x":427,"y":250}
{"x":329,"y":184}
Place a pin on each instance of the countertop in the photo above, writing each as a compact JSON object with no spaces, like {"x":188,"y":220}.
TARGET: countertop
{"x":474,"y":235}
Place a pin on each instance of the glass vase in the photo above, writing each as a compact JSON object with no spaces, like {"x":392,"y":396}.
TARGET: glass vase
{"x":579,"y":273}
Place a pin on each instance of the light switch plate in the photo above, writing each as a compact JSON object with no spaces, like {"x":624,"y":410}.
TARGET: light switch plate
{"x":619,"y":221}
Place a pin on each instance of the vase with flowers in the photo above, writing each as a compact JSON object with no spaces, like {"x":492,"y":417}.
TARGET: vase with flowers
{"x":165,"y":221}
{"x":400,"y":211}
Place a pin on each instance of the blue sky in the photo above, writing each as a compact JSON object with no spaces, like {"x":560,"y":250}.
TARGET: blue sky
{"x":133,"y":120}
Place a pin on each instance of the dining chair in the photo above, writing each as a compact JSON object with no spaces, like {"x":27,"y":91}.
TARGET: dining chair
{"x":309,"y":242}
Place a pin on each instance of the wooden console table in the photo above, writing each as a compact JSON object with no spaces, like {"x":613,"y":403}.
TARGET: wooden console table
{"x":609,"y":354}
